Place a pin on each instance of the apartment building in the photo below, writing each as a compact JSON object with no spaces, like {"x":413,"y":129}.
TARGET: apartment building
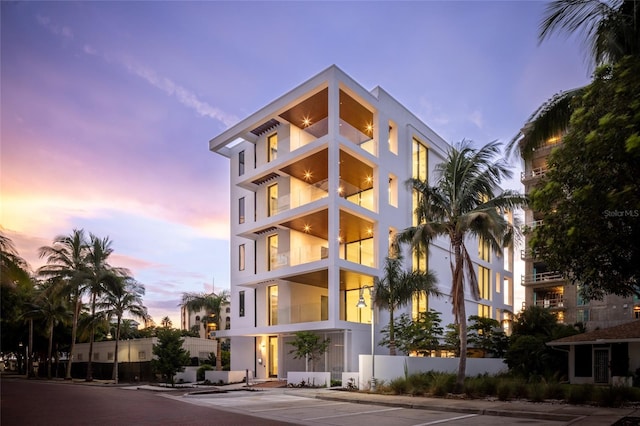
{"x":206,"y":327}
{"x":548,"y":288}
{"x":317,"y":191}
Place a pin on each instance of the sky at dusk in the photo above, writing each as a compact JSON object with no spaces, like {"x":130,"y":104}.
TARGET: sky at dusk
{"x":107,"y":107}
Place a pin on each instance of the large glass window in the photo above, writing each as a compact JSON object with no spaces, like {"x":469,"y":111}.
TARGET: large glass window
{"x":419,"y":304}
{"x":484,"y":282}
{"x":272,"y":243}
{"x":241,"y":210}
{"x":272,"y":147}
{"x":273,"y":199}
{"x":240,"y":163}
{"x":272,"y":291}
{"x":484,"y":311}
{"x":484,"y":250}
{"x":360,"y":252}
{"x":241,"y":257}
{"x":420,"y":160}
{"x":241,"y":303}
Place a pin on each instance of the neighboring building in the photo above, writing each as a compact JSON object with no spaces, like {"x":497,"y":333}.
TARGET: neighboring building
{"x":134,"y":357}
{"x":605,"y":356}
{"x":548,"y":288}
{"x":190,"y":320}
{"x":317,"y":192}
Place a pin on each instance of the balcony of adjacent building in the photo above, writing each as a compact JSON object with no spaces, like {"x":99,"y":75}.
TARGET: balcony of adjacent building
{"x":530,"y":226}
{"x":542,"y":278}
{"x":529,"y":254}
{"x":528,"y":176}
{"x":550,"y":298}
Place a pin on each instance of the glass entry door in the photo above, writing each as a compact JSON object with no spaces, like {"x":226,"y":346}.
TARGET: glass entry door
{"x":273,"y":356}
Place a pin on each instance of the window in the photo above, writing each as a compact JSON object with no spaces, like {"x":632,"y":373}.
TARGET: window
{"x":393,"y":138}
{"x":419,"y":304}
{"x":420,"y":260}
{"x":484,"y":282}
{"x":240,"y":163}
{"x":272,"y":147}
{"x":96,"y":356}
{"x":272,"y":291}
{"x":142,"y":355}
{"x":582,"y":315}
{"x":484,"y":250}
{"x":393,"y":191}
{"x":272,"y":245}
{"x":484,"y":311}
{"x":79,"y":357}
{"x":241,"y":303}
{"x":241,"y":257}
{"x":420,"y":154}
{"x":273,"y":199}
{"x":241,"y":210}
{"x":109,"y":356}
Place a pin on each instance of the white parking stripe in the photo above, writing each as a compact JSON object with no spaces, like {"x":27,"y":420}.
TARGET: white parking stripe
{"x":297,"y":407}
{"x":446,"y":420}
{"x":354,"y":414}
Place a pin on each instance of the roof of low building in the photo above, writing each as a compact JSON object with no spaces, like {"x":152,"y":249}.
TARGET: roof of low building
{"x":627,"y":332}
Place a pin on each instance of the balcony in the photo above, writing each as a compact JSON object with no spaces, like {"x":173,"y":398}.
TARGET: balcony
{"x":528,"y":254}
{"x":553,"y":303}
{"x":300,"y":255}
{"x":301,"y":195}
{"x":541,"y":278}
{"x":532,"y":174}
{"x":307,"y":312}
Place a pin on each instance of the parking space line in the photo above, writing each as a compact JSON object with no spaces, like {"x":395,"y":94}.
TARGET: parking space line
{"x":298,"y":406}
{"x":354,"y":414}
{"x":435,"y":422}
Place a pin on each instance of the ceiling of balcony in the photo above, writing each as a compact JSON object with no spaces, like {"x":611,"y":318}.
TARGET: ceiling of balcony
{"x":349,"y":280}
{"x":311,"y":169}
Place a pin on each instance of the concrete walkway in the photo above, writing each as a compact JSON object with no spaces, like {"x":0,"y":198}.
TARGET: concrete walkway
{"x":552,"y":411}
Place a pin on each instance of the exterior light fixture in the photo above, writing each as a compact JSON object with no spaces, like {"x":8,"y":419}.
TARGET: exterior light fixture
{"x":369,"y":179}
{"x":307,"y":175}
{"x":369,"y":127}
{"x":340,"y":190}
{"x":307,"y":228}
{"x":306,"y":121}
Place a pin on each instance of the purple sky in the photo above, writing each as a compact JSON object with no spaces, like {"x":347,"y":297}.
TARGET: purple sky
{"x":108,"y":107}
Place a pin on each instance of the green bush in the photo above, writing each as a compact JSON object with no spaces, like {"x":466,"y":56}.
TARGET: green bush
{"x":554,"y":391}
{"x":536,"y":392}
{"x":580,"y":394}
{"x":442,"y":383}
{"x":399,"y":386}
{"x":613,"y":396}
{"x":419,"y":383}
{"x":201,"y":370}
{"x":505,"y":390}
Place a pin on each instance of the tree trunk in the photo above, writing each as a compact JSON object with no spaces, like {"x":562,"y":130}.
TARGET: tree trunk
{"x":50,"y":350}
{"x":74,"y":332}
{"x":218,"y":354}
{"x":115,"y":353}
{"x":461,"y":313}
{"x":91,"y":337}
{"x":392,"y":332}
{"x":30,"y":372}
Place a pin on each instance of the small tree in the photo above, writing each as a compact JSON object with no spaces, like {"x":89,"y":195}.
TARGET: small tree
{"x":171,"y":356}
{"x":308,"y":345}
{"x":420,"y":335}
{"x":487,"y":335}
{"x":452,"y":339}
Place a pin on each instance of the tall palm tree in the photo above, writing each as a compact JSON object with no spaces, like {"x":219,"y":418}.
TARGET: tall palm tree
{"x":461,"y":204}
{"x":102,"y":278}
{"x":66,"y":262}
{"x":611,"y":30}
{"x":123,"y":297}
{"x":212,"y":304}
{"x":13,"y":268}
{"x":52,"y":308}
{"x":397,"y":287}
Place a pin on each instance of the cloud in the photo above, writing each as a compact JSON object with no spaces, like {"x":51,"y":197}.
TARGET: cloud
{"x":476,"y":118}
{"x":89,"y":50}
{"x":184,"y":96}
{"x":58,"y":30}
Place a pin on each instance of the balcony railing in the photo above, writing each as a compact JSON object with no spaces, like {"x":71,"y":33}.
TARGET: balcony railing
{"x":553,"y":303}
{"x":536,"y":173}
{"x":528,"y":254}
{"x":356,"y":136}
{"x":299,"y":256}
{"x":543,"y":277}
{"x":306,"y":195}
{"x":307,"y":312}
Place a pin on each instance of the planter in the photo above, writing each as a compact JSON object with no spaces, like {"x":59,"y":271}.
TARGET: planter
{"x":226,"y":377}
{"x":317,"y":379}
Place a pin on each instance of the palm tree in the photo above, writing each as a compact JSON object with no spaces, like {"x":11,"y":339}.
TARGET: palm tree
{"x":611,"y":30}
{"x":212,"y":304}
{"x":66,"y":262}
{"x":123,"y":297}
{"x":13,"y":268}
{"x":52,"y":308}
{"x":397,"y":288}
{"x":461,"y":204}
{"x":102,"y":278}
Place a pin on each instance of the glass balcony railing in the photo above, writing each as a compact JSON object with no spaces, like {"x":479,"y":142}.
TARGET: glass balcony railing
{"x":300,"y":255}
{"x":356,"y":136}
{"x":301,"y":196}
{"x":307,"y":312}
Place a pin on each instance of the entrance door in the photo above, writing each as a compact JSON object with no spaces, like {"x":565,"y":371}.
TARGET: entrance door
{"x":601,"y":365}
{"x":273,"y":356}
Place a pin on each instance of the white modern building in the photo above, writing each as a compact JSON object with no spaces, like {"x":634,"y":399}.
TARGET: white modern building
{"x":317,"y":192}
{"x":207,"y":328}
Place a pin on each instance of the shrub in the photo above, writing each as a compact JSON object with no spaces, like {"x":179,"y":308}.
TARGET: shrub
{"x":520,"y":390}
{"x":613,"y":396}
{"x":201,"y":370}
{"x":580,"y":394}
{"x":505,"y":390}
{"x":536,"y":392}
{"x":419,"y":383}
{"x":399,"y":386}
{"x":442,"y":383}
{"x":554,"y":391}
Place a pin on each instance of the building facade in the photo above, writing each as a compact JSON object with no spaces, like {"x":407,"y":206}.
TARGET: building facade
{"x":548,"y":288}
{"x":317,"y":189}
{"x":201,"y":321}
